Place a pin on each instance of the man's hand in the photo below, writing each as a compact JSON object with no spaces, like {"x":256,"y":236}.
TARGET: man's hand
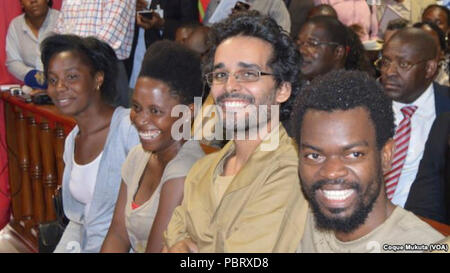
{"x":183,"y":246}
{"x":156,"y":21}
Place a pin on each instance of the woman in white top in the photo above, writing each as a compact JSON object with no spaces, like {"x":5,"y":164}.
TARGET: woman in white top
{"x":154,"y":172}
{"x":81,"y":75}
{"x":25,"y":33}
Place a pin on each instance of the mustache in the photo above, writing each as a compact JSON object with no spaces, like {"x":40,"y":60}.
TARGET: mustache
{"x":346,"y":184}
{"x":225,"y":96}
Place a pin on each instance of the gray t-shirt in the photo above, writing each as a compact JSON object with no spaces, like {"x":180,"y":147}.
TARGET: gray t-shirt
{"x":139,"y":221}
{"x":402,"y":231}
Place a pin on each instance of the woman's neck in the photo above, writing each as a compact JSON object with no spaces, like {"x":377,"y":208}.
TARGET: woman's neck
{"x":88,"y":125}
{"x":166,"y":155}
{"x":35,"y":23}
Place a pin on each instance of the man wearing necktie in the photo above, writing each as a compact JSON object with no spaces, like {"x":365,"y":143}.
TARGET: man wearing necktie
{"x":408,"y":67}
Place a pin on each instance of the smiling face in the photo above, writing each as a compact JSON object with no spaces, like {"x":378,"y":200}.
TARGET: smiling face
{"x":35,"y":8}
{"x":240,"y":53}
{"x":151,"y":107}
{"x":340,"y":167}
{"x":72,"y":85}
{"x":316,"y":60}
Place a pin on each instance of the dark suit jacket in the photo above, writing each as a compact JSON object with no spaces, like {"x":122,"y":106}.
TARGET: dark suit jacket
{"x":176,"y":13}
{"x":427,"y":196}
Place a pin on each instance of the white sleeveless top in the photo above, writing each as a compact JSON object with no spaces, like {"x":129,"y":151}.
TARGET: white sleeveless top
{"x":82,"y":181}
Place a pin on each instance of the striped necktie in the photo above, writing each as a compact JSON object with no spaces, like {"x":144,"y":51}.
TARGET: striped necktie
{"x":401,"y":139}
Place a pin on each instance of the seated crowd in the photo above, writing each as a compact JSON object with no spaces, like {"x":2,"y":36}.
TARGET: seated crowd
{"x":319,"y":144}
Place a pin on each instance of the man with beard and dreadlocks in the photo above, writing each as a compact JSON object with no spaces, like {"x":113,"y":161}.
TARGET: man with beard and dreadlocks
{"x":344,"y":126}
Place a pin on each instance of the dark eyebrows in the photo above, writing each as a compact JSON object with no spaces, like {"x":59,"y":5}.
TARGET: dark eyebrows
{"x":345,"y":148}
{"x":240,"y":64}
{"x":308,"y":146}
{"x":356,"y":144}
{"x":217,"y":66}
{"x":247,"y":65}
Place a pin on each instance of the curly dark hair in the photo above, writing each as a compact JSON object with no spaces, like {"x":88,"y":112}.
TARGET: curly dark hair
{"x":341,"y":34}
{"x":285,"y":59}
{"x":177,"y":66}
{"x":344,"y":90}
{"x":96,"y":54}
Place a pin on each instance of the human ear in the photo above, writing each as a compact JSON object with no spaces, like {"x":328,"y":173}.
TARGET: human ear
{"x":99,"y":78}
{"x":340,"y":53}
{"x":431,"y":68}
{"x":283,"y":92}
{"x":387,"y":154}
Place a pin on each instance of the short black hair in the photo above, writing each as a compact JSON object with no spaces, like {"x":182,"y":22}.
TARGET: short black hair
{"x":345,"y":90}
{"x":396,"y":24}
{"x":443,"y":8}
{"x":435,"y":28}
{"x":285,"y":59}
{"x":177,"y":66}
{"x":322,"y":10}
{"x":346,"y":37}
{"x":98,"y":55}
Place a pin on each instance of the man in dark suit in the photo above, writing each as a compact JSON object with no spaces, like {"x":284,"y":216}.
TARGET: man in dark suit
{"x":408,"y":67}
{"x":168,"y":16}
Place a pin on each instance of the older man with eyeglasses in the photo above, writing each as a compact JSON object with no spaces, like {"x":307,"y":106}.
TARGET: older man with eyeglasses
{"x":408,"y":67}
{"x":247,"y":196}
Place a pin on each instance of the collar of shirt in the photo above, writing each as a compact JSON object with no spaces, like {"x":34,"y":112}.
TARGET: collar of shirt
{"x":425,"y":104}
{"x":404,"y":5}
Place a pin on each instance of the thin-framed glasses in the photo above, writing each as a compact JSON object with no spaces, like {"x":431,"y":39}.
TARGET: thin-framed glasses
{"x":384,"y":63}
{"x":246,"y":75}
{"x":315,"y":43}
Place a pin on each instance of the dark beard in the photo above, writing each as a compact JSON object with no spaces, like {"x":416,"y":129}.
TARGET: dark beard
{"x":358,"y":217}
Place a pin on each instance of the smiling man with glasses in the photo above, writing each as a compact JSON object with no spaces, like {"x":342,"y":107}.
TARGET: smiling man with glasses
{"x":408,"y":67}
{"x":326,"y":44}
{"x":245,"y":198}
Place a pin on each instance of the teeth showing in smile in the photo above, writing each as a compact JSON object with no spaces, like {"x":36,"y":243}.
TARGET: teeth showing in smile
{"x":63,"y":101}
{"x":235,"y":104}
{"x":148,"y":135}
{"x":337,"y":195}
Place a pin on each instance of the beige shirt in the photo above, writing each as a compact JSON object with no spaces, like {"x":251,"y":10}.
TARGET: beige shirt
{"x":262,"y":210}
{"x":139,"y":221}
{"x":401,"y":231}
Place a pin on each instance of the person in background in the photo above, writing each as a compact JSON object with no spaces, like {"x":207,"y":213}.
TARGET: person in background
{"x":154,"y":171}
{"x":275,"y":9}
{"x":322,"y":10}
{"x":408,"y":67}
{"x":344,"y":128}
{"x":81,"y":75}
{"x":442,"y":76}
{"x":166,"y":17}
{"x":326,"y":44}
{"x":25,"y":33}
{"x":298,"y":11}
{"x":393,"y":27}
{"x":184,"y":31}
{"x":410,"y":10}
{"x":440,"y":15}
{"x":111,"y":21}
{"x":355,"y":12}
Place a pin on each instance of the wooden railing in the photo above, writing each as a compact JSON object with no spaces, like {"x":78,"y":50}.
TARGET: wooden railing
{"x":35,"y":140}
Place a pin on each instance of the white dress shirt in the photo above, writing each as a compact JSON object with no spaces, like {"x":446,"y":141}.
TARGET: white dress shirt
{"x":421,"y":123}
{"x":22,"y":47}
